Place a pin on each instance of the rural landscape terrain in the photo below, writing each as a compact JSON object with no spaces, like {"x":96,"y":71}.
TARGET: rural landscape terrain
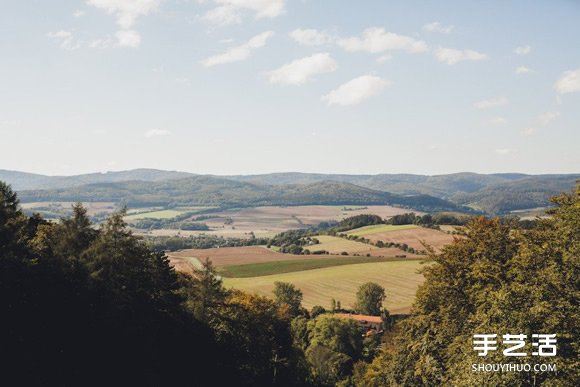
{"x":262,"y":229}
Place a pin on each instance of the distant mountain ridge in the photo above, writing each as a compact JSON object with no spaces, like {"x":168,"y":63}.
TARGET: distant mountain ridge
{"x":492,"y":193}
{"x":214,"y":191}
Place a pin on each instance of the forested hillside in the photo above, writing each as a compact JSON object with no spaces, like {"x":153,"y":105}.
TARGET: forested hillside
{"x":207,"y":190}
{"x":492,"y":193}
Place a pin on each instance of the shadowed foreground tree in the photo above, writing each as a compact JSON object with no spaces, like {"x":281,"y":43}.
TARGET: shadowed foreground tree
{"x":495,"y":279}
{"x":87,"y":306}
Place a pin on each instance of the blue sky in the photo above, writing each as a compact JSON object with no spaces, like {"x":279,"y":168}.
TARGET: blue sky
{"x":256,"y":86}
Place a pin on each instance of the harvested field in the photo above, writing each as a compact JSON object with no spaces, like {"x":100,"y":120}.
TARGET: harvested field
{"x":413,"y":237}
{"x":279,"y":267}
{"x":336,"y":245}
{"x":184,"y":264}
{"x":227,"y":256}
{"x":399,"y":278}
{"x":367,"y":230}
{"x":268,"y":221}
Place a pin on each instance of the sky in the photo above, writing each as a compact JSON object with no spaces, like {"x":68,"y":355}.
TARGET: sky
{"x":259,"y":86}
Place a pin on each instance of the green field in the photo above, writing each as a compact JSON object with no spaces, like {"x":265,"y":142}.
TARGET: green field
{"x":280,"y":267}
{"x":367,"y":230}
{"x":399,"y":278}
{"x":164,"y":214}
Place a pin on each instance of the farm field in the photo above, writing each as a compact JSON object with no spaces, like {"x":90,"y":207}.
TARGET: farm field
{"x":271,"y":220}
{"x":412,"y":236}
{"x":336,"y":245}
{"x":162,"y":214}
{"x":228,"y":256}
{"x":399,"y":278}
{"x":377,"y":228}
{"x":280,"y":267}
{"x":59,"y":209}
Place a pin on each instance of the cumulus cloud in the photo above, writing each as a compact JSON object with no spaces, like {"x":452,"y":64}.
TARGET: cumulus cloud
{"x":239,"y":53}
{"x":569,"y":82}
{"x":376,"y":40}
{"x":548,"y":117}
{"x":126,"y":13}
{"x":66,"y":39}
{"x":310,"y":37}
{"x":79,"y":13}
{"x":491,"y":103}
{"x":128,"y":38}
{"x":525,"y":50}
{"x":437,"y":27}
{"x":524,"y":70}
{"x":527,"y":131}
{"x":302,"y":70}
{"x":356,"y":90}
{"x":231,"y":11}
{"x":452,"y":56}
{"x":157,"y":133}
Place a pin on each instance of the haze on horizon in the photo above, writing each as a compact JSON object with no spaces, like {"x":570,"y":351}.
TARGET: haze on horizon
{"x":249,"y":87}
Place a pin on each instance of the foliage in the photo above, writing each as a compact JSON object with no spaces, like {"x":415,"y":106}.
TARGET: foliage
{"x":496,"y":278}
{"x":369,"y":299}
{"x":286,"y":294}
{"x":87,"y":306}
{"x":357,"y":221}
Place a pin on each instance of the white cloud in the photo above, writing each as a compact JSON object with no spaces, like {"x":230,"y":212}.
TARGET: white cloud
{"x":503,"y":151}
{"x":223,"y":15}
{"x":231,"y":11}
{"x":128,"y":38}
{"x":452,"y":56}
{"x":375,"y":40}
{"x":302,"y":70}
{"x":527,"y":131}
{"x":569,"y":82}
{"x":310,"y":37}
{"x":548,"y":117}
{"x":384,"y":58}
{"x":239,"y":53}
{"x":437,"y":27}
{"x":524,"y":70}
{"x":66,"y":38}
{"x":356,"y":90}
{"x":491,"y":103}
{"x":126,"y":11}
{"x":157,"y":133}
{"x":525,"y":50}
{"x":101,"y":43}
{"x":497,"y":121}
{"x":79,"y":13}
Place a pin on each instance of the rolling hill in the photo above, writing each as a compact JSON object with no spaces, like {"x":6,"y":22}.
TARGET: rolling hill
{"x":214,"y":191}
{"x":491,"y":193}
